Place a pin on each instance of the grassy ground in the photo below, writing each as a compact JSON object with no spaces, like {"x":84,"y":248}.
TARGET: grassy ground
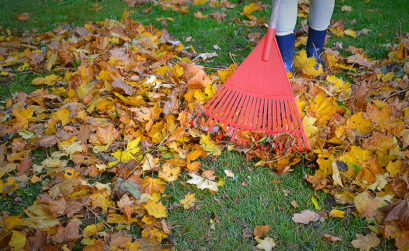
{"x":235,"y":208}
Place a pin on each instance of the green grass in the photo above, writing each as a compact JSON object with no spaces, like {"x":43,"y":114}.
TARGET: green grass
{"x":261,"y":202}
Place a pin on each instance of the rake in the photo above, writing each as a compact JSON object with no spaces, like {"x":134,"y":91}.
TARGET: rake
{"x":258,"y":96}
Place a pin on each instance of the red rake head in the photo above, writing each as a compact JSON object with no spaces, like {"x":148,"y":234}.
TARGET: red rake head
{"x":258,"y":98}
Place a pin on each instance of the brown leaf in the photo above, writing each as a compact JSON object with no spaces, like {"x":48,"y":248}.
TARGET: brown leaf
{"x":25,"y":164}
{"x":67,"y":234}
{"x":219,"y":16}
{"x":83,"y":134}
{"x":365,"y":243}
{"x":199,"y":80}
{"x":64,"y":53}
{"x":305,"y":217}
{"x":171,"y":106}
{"x":397,"y":211}
{"x":23,"y":16}
{"x":118,"y":83}
{"x":54,"y":207}
{"x":261,"y":231}
{"x":332,"y":238}
{"x":208,"y":174}
{"x":47,"y":141}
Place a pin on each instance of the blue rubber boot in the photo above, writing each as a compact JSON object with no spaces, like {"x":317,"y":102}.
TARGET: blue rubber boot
{"x":315,"y":45}
{"x":286,"y":45}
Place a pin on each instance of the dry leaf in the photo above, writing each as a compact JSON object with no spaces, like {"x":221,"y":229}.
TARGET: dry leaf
{"x":365,"y":243}
{"x":305,"y":217}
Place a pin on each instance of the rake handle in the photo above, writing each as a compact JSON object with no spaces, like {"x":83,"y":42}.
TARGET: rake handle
{"x":271,"y":31}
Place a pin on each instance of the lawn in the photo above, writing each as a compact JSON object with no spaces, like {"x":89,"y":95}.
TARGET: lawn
{"x":255,"y":195}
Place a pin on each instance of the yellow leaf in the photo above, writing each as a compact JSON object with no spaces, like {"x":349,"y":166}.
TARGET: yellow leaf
{"x":310,"y":129}
{"x":153,"y":234}
{"x":8,"y":186}
{"x":168,"y":173}
{"x":307,"y":65}
{"x":351,"y":33}
{"x":340,"y":86}
{"x":336,"y":213}
{"x":189,"y":201}
{"x":62,"y":115}
{"x":156,"y":209}
{"x":338,"y":31}
{"x":199,"y":2}
{"x":323,"y":108}
{"x":394,"y":168}
{"x":357,"y":121}
{"x":149,"y":162}
{"x":18,"y":240}
{"x":315,"y":202}
{"x":225,"y":74}
{"x":335,"y":175}
{"x":249,"y":9}
{"x":11,"y":222}
{"x":209,"y":145}
{"x":50,"y":80}
{"x":93,"y":229}
{"x":151,"y":185}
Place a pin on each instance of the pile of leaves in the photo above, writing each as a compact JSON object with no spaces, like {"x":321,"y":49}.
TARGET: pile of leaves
{"x":119,"y":114}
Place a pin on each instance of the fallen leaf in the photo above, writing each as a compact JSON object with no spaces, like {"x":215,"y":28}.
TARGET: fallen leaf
{"x":156,"y":209}
{"x":23,"y":16}
{"x":265,"y":244}
{"x":305,"y":217}
{"x":189,"y":201}
{"x":332,"y":238}
{"x":202,"y":183}
{"x":365,"y":243}
{"x":261,"y":231}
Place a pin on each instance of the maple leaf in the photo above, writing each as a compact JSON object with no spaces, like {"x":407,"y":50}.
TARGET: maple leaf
{"x":169,"y":173}
{"x":202,"y":183}
{"x":153,"y":234}
{"x":156,"y":209}
{"x":365,"y":243}
{"x":209,"y":145}
{"x":307,"y":66}
{"x":366,"y":206}
{"x":189,"y":201}
{"x":265,"y":244}
{"x":151,"y":185}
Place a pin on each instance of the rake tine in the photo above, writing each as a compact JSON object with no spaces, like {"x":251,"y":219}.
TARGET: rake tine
{"x":233,"y":109}
{"x":243,"y":111}
{"x":210,"y":106}
{"x":256,"y":116}
{"x":300,"y":148}
{"x":273,"y":110}
{"x":248,"y":111}
{"x":287,"y":112}
{"x":279,"y":115}
{"x":265,"y":112}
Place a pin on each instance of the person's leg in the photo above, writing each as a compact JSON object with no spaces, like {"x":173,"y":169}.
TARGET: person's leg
{"x":318,"y":20}
{"x":287,"y":19}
